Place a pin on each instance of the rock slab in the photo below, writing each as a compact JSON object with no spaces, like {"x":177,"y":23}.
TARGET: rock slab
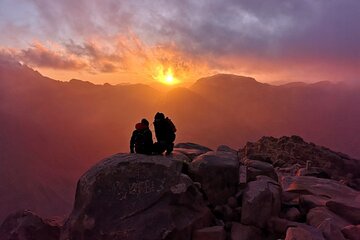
{"x":134,"y":196}
{"x":26,"y":225}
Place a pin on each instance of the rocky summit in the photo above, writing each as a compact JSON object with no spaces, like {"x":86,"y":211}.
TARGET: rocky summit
{"x":275,"y":188}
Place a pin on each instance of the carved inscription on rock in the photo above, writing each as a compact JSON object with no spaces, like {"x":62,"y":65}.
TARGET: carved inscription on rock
{"x":138,"y":188}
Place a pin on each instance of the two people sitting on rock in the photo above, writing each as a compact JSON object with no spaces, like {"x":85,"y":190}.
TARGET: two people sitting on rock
{"x":141,"y":139}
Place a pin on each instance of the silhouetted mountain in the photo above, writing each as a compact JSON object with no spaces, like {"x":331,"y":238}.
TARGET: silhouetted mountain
{"x":51,"y":131}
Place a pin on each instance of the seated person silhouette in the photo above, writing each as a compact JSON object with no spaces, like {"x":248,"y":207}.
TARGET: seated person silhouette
{"x":141,"y":139}
{"x":165,"y":134}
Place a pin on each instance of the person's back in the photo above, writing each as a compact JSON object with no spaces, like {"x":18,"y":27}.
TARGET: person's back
{"x":165,"y":133}
{"x":141,"y":139}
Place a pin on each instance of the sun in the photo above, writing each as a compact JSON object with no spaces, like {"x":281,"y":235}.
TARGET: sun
{"x":166,"y":76}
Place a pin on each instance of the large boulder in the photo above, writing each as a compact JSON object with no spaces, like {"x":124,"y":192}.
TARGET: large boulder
{"x":25,"y":225}
{"x":134,"y":196}
{"x":261,"y":201}
{"x":218,"y":173}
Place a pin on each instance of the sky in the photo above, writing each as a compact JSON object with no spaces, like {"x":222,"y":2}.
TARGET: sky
{"x":134,"y":41}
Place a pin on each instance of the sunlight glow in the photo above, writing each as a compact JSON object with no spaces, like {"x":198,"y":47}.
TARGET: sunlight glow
{"x":166,"y":76}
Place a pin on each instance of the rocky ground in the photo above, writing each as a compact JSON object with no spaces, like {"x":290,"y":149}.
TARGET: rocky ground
{"x":276,"y":188}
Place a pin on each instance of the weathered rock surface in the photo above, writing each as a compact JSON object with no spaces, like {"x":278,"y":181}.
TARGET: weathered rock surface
{"x":193,"y":146}
{"x":210,"y":233}
{"x":261,"y":201}
{"x":218,"y":173}
{"x":301,"y":233}
{"x":244,"y":232}
{"x":25,"y":225}
{"x":330,"y":230}
{"x":351,"y":232}
{"x":319,"y":187}
{"x":287,"y":151}
{"x":225,"y":148}
{"x":293,"y":214}
{"x":256,"y":168}
{"x":133,"y":196}
{"x":350,"y":210}
{"x":318,"y":215}
{"x":190,"y":153}
{"x":313,"y":172}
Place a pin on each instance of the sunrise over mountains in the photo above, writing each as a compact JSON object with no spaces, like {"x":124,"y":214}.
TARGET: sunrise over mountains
{"x":179,"y":120}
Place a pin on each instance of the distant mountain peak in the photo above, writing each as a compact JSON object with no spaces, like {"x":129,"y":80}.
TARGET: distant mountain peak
{"x":228,"y":79}
{"x":80,"y":82}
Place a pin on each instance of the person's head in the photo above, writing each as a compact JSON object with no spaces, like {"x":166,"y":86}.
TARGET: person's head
{"x":159,"y":116}
{"x":145,"y":122}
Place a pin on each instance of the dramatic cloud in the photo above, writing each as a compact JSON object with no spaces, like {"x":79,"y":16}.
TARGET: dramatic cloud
{"x":53,"y":57}
{"x":287,"y":40}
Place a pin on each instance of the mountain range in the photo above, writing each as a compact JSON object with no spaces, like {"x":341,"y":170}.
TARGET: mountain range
{"x":52,"y":131}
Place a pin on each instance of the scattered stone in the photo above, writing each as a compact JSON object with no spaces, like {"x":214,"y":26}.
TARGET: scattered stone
{"x":293,"y":214}
{"x":287,"y":151}
{"x":313,"y":172}
{"x":278,"y":225}
{"x":210,"y":233}
{"x":349,"y":210}
{"x":260,"y":157}
{"x":339,"y":198}
{"x":190,"y":153}
{"x":263,"y":166}
{"x":261,"y":200}
{"x":308,"y":202}
{"x":218,"y":173}
{"x":244,"y":232}
{"x":256,"y":168}
{"x":242,"y":175}
{"x":301,"y":233}
{"x":351,"y":232}
{"x":290,"y":199}
{"x":331,"y":231}
{"x":25,"y":225}
{"x":318,"y":215}
{"x":193,"y":146}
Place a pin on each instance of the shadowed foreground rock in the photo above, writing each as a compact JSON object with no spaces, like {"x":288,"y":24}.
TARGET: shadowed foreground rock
{"x":136,"y":197}
{"x":218,"y":173}
{"x":267,"y":190}
{"x":25,"y":225}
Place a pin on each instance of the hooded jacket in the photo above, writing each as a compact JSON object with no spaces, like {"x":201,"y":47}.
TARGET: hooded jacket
{"x":141,"y":139}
